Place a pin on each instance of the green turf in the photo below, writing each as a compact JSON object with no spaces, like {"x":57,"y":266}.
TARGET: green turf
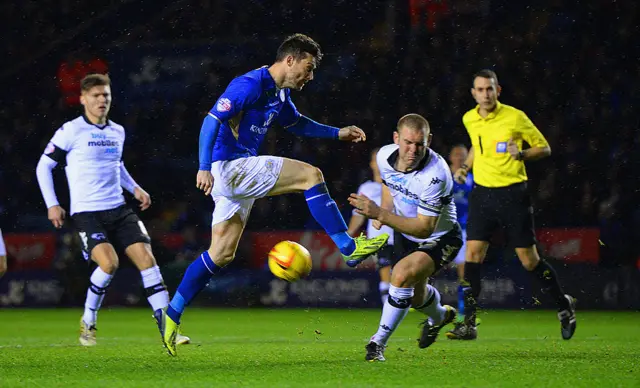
{"x":313,"y":348}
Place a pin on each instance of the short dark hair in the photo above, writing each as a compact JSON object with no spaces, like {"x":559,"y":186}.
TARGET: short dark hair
{"x":92,"y":80}
{"x":297,"y":45}
{"x":484,"y":73}
{"x":414,"y":121}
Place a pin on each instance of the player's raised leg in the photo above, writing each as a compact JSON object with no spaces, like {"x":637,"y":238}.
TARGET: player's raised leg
{"x":105,"y":256}
{"x":296,"y":177}
{"x":546,"y":275}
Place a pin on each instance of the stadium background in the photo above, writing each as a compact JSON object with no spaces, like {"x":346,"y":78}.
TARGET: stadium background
{"x":567,"y":65}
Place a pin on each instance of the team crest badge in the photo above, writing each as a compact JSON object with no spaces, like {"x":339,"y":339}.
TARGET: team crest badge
{"x":224,"y":105}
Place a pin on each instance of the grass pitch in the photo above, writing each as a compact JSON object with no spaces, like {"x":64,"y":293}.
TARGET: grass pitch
{"x":315,"y":348}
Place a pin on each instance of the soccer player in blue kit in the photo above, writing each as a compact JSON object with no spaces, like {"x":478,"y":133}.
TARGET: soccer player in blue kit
{"x":233,"y":173}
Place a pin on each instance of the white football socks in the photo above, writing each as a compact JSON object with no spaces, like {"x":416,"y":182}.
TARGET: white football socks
{"x":432,"y":307}
{"x":95,"y":295}
{"x":157,"y":293}
{"x":393,"y":312}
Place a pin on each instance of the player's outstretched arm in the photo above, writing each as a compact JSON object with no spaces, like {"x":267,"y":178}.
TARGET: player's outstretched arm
{"x":352,"y":133}
{"x":306,"y":127}
{"x":55,"y":212}
{"x":421,"y":226}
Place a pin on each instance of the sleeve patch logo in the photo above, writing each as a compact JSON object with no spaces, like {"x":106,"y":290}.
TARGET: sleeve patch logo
{"x":49,"y":149}
{"x":224,"y":105}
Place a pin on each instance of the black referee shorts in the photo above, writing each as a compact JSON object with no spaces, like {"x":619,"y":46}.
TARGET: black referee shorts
{"x":509,"y":208}
{"x":119,"y":227}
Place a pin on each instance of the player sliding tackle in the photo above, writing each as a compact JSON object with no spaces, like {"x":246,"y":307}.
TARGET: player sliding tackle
{"x":233,"y":173}
{"x":418,"y":184}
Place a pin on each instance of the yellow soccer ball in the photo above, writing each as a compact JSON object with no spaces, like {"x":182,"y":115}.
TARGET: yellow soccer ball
{"x":289,"y":261}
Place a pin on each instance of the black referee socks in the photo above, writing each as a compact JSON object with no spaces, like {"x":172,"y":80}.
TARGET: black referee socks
{"x":472,"y":276}
{"x":549,"y":280}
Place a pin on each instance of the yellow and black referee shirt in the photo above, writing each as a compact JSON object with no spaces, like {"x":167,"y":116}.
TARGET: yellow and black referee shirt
{"x":493,"y":166}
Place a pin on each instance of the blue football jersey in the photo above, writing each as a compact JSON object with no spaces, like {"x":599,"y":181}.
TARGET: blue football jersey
{"x":246,"y":110}
{"x":461,"y":199}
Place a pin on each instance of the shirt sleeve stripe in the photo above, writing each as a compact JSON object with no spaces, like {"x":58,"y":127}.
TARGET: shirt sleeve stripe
{"x":430,"y":209}
{"x":214,"y":116}
{"x":294,"y":123}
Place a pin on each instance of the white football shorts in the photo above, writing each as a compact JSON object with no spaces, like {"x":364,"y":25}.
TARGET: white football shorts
{"x":238,"y":183}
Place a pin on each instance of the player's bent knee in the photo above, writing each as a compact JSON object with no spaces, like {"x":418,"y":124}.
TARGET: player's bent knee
{"x":316,"y":176}
{"x":145,"y":261}
{"x":403,"y":278}
{"x":141,"y":255}
{"x":313,"y":176}
{"x":528,"y":257}
{"x":105,"y":256}
{"x":474,"y":256}
{"x":109,"y":266}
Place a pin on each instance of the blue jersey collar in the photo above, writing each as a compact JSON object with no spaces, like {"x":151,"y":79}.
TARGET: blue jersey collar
{"x":267,"y":80}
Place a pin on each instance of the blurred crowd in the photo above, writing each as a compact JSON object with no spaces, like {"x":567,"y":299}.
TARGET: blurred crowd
{"x":567,"y":65}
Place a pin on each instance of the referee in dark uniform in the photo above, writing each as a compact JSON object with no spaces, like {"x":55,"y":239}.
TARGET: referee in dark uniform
{"x":500,"y":199}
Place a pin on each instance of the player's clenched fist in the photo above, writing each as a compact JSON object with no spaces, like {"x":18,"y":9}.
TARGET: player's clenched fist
{"x":204,"y":181}
{"x":352,"y":133}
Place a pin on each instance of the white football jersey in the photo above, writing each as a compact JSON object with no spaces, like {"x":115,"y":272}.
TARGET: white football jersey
{"x":93,"y":155}
{"x":373,"y":191}
{"x":427,"y":190}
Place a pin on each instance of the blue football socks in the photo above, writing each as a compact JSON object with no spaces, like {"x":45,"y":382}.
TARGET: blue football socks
{"x":195,"y":279}
{"x":324,"y":209}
